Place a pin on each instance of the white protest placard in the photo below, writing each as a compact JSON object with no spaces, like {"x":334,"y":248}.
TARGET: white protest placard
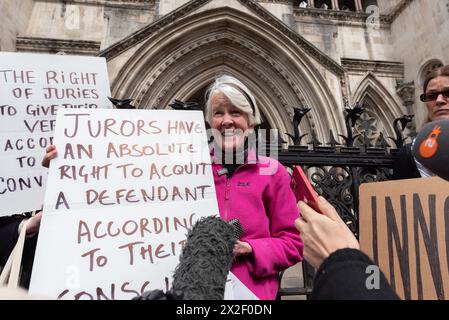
{"x":122,"y":193}
{"x":32,"y":88}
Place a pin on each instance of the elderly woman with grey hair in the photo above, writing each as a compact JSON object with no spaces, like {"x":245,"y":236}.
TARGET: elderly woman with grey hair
{"x":251,"y":188}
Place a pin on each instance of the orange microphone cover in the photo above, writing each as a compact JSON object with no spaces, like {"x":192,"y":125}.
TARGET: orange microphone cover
{"x":431,"y":147}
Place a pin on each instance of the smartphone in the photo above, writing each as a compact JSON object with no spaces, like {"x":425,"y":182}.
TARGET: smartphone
{"x":303,"y":189}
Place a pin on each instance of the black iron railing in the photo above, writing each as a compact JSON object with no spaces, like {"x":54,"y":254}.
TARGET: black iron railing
{"x":337,"y":170}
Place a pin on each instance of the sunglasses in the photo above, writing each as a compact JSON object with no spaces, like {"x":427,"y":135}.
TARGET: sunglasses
{"x":432,"y":96}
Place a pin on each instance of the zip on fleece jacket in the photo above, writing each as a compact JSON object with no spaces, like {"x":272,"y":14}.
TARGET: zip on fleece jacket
{"x":227,"y":197}
{"x":228,"y":193}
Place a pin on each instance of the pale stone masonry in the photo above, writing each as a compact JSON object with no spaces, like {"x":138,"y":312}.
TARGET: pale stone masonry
{"x":356,"y":51}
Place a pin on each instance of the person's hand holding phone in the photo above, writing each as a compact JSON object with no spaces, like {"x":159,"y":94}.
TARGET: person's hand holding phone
{"x":303,"y":189}
{"x":323,"y":233}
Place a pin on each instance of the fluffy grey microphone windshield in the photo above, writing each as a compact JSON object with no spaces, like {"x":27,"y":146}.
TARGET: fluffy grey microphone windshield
{"x":205,"y":260}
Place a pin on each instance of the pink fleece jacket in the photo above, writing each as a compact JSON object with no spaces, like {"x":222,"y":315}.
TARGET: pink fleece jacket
{"x":266,"y":208}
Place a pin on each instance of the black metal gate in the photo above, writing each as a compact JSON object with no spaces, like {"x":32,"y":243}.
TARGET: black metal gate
{"x":337,"y":170}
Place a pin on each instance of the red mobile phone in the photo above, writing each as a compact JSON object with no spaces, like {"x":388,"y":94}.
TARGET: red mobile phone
{"x":303,"y":189}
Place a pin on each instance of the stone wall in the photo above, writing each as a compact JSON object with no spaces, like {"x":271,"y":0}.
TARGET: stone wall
{"x":103,"y":21}
{"x":344,"y":40}
{"x":14,"y":17}
{"x":419,"y":36}
{"x":282,"y":11}
{"x":412,"y":32}
{"x":386,"y":6}
{"x":166,"y":6}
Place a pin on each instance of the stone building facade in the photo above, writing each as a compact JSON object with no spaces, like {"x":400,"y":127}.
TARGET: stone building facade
{"x":324,"y":54}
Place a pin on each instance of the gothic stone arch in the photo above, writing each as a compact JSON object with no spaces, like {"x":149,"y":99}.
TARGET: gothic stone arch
{"x":379,"y":102}
{"x":188,"y":53}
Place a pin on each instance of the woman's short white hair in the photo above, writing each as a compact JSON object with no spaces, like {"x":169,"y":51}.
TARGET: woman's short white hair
{"x":239,"y":96}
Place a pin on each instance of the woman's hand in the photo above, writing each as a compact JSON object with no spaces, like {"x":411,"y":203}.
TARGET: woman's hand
{"x":33,"y":224}
{"x":324,"y":233}
{"x":242,"y":248}
{"x":51,"y":154}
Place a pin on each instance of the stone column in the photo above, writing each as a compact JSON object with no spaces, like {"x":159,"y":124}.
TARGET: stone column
{"x":358,"y":5}
{"x":335,"y":5}
{"x":406,"y":91}
{"x":311,"y":3}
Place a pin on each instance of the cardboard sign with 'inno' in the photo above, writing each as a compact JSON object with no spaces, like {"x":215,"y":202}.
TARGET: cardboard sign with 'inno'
{"x":404,"y":228}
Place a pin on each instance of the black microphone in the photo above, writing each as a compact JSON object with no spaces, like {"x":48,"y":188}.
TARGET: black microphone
{"x":431,"y":147}
{"x":205,"y":260}
{"x":204,"y":263}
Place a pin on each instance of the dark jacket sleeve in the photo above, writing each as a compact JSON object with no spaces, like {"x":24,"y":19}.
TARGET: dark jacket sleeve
{"x":8,"y":236}
{"x":404,"y":166}
{"x":344,"y":276}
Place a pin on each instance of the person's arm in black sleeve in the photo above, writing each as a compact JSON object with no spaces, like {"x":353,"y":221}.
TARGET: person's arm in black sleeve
{"x":345,"y":275}
{"x":332,"y":248}
{"x":9,"y":233}
{"x":404,"y":166}
{"x":9,"y":227}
